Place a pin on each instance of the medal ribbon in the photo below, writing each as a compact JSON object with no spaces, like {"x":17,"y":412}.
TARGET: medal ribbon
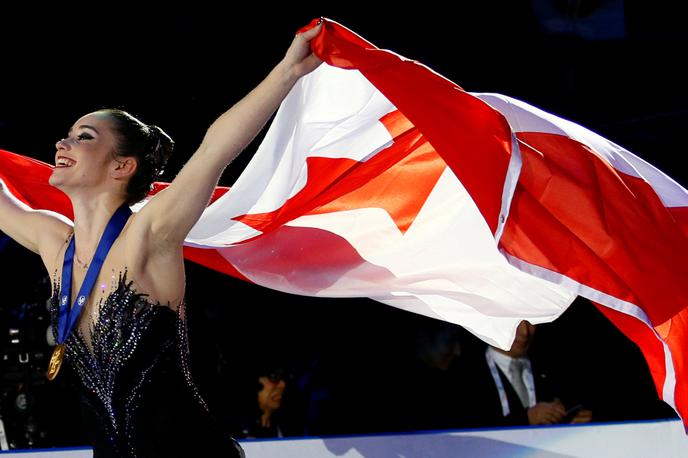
{"x":67,"y":317}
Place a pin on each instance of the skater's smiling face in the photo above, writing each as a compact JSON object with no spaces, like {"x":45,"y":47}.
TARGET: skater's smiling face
{"x":85,"y":159}
{"x":109,"y":151}
{"x":83,"y":156}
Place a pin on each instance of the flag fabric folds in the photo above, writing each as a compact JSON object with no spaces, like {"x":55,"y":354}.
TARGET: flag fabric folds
{"x":380,"y":178}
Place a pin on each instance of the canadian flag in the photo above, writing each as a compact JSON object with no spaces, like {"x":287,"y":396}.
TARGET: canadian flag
{"x":381,"y":178}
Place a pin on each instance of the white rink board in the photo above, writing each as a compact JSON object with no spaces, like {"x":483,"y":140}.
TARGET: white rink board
{"x":627,"y":440}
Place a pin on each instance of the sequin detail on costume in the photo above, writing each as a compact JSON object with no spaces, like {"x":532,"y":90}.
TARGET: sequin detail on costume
{"x":183,"y":350}
{"x":124,"y":317}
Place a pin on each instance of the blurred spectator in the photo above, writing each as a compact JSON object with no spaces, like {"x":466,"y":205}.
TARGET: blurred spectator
{"x":262,"y":412}
{"x":406,"y":377}
{"x":426,"y":393}
{"x":597,"y":364}
{"x":510,"y":389}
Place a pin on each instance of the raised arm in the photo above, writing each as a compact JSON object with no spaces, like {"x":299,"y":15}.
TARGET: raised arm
{"x":41,"y":231}
{"x":170,"y":214}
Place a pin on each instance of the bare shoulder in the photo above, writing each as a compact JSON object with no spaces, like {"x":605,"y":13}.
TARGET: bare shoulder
{"x":157,"y":266}
{"x":38,"y":230}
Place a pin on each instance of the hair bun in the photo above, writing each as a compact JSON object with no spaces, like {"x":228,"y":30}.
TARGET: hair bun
{"x":159,"y":150}
{"x":149,"y":144}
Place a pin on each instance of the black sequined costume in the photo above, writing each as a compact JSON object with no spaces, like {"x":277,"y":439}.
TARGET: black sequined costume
{"x":135,"y":386}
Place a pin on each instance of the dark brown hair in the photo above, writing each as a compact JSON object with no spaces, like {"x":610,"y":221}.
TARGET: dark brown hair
{"x":147,"y":143}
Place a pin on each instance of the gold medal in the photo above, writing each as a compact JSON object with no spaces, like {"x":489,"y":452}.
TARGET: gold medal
{"x":55,"y":361}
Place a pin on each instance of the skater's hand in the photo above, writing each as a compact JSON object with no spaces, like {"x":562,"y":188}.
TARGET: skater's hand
{"x":299,"y":59}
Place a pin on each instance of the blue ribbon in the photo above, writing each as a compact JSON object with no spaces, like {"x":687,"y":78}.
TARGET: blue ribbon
{"x":67,"y":317}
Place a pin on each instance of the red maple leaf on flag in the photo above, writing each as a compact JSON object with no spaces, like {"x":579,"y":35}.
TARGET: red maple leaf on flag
{"x":398,"y":179}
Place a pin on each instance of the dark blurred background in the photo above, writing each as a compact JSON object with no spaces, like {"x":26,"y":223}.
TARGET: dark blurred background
{"x":612,"y":66}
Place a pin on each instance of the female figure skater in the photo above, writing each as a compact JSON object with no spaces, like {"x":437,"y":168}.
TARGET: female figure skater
{"x":118,"y":277}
